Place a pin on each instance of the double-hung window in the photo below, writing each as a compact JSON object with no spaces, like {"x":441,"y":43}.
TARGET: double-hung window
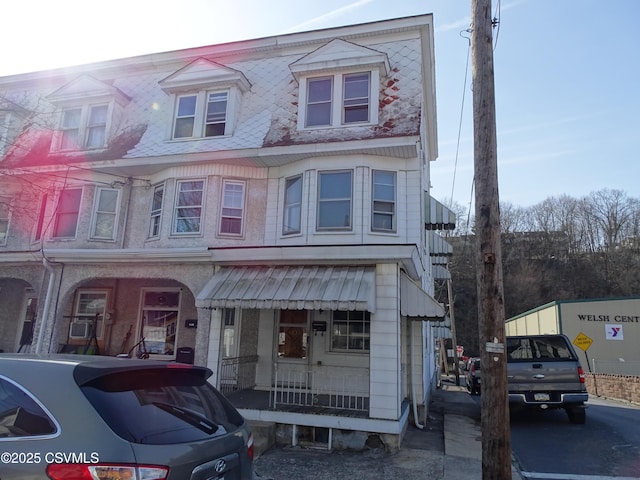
{"x":341,"y":99}
{"x":88,"y":316}
{"x":383,"y":201}
{"x":84,"y":127}
{"x":41,"y":215}
{"x":319,"y":98}
{"x":216,"y":116}
{"x":188,"y":207}
{"x":156,"y":211}
{"x":232,"y":208}
{"x":67,"y":213}
{"x":334,"y":200}
{"x":355,"y":99}
{"x":185,"y":116}
{"x":292,"y":205}
{"x":340,"y":85}
{"x":105,"y":214}
{"x":5,"y":209}
{"x":87,"y":109}
{"x":201,"y":115}
{"x":207,"y":99}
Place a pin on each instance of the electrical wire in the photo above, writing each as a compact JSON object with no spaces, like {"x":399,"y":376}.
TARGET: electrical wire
{"x":496,"y":24}
{"x":464,"y":91}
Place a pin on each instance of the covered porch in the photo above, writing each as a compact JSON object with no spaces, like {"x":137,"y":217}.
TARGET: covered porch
{"x":324,"y":347}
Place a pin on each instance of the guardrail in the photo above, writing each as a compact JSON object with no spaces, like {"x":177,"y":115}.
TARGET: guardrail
{"x":238,"y":373}
{"x":341,"y":388}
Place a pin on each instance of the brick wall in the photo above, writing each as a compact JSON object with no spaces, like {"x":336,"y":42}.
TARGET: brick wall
{"x":620,"y":387}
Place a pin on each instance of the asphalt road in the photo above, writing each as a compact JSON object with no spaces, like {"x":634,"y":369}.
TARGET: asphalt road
{"x":606,"y":447}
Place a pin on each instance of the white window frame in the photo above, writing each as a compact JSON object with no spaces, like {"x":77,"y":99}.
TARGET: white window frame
{"x":59,"y":214}
{"x":42,"y":212}
{"x":186,"y":206}
{"x":378,"y":201}
{"x":327,"y":201}
{"x":83,"y":127}
{"x":97,"y":213}
{"x":200,"y":114}
{"x":85,"y":319}
{"x":338,"y":99}
{"x":5,"y":218}
{"x":155,"y":214}
{"x":230,"y":210}
{"x":351,"y":337}
{"x":292,"y":209}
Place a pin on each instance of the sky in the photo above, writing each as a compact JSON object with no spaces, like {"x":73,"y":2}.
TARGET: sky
{"x":567,"y":74}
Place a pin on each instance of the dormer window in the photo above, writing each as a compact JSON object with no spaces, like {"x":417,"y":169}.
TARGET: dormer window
{"x":352,"y":96}
{"x":338,"y":85}
{"x":197,"y":117}
{"x":84,"y":127}
{"x":87,"y":106}
{"x":207,"y":99}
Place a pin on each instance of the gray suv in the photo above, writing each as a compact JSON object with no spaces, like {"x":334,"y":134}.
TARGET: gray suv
{"x":543,"y":372}
{"x":107,"y":418}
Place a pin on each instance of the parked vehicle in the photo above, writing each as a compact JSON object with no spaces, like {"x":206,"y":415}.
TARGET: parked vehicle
{"x":73,"y":416}
{"x":544,"y":372}
{"x":472,"y":376}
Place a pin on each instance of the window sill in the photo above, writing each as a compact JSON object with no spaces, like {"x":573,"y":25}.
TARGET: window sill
{"x":336,"y":127}
{"x":197,"y":139}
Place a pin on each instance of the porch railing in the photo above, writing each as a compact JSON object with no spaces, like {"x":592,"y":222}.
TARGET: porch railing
{"x":238,"y":373}
{"x":341,"y":388}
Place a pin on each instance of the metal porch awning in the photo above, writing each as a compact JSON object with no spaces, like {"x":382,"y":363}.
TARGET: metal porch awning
{"x":417,"y":304}
{"x":291,"y":288}
{"x":437,"y":216}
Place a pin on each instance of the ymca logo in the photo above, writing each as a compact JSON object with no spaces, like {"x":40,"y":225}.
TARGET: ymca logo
{"x":614,"y":332}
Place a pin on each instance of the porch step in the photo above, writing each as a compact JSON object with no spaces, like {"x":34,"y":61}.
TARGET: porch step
{"x":264,"y":436}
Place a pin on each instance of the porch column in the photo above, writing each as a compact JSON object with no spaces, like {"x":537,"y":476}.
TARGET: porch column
{"x":385,"y":377}
{"x":213,"y":346}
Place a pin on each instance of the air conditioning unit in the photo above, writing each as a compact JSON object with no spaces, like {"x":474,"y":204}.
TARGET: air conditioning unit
{"x":81,"y":329}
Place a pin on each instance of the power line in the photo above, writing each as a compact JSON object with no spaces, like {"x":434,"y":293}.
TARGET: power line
{"x":464,"y":91}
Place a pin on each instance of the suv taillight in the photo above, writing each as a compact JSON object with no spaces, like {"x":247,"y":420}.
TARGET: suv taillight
{"x":81,"y":471}
{"x":250,"y":446}
{"x":581,"y":375}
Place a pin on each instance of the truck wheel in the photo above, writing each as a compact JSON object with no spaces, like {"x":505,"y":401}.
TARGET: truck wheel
{"x":577,"y":415}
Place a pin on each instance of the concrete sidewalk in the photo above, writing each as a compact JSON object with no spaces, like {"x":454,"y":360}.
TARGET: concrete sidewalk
{"x":449,"y":447}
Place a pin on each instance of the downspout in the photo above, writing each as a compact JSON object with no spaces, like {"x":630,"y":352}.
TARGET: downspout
{"x":413,"y":383}
{"x":47,"y":302}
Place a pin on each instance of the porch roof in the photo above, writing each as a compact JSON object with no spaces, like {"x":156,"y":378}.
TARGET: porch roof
{"x":416,"y":303}
{"x":291,"y":287}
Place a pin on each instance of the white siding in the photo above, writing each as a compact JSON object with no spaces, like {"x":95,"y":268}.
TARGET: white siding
{"x":385,"y":346}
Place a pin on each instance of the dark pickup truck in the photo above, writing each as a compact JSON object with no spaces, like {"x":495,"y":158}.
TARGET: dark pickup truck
{"x":543,"y":372}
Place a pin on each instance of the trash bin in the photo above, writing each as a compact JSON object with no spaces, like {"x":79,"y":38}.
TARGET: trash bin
{"x":185,"y":355}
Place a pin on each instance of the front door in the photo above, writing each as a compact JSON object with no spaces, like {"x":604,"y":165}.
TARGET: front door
{"x":293,"y":348}
{"x":230,"y":350}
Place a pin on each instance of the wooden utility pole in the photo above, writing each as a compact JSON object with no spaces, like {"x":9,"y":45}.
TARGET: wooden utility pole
{"x":496,"y":434}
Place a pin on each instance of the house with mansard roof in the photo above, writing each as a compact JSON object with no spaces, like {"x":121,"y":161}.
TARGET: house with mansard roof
{"x":260,"y":207}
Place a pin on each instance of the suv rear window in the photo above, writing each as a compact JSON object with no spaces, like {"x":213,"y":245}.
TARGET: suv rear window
{"x":161,"y":406}
{"x":20,"y":414}
{"x":538,"y":349}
